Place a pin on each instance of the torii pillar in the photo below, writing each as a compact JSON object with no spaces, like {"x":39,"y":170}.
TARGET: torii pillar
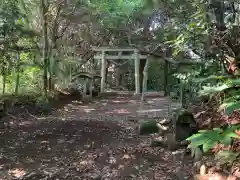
{"x":136,"y":56}
{"x":137,"y":81}
{"x":103,"y":71}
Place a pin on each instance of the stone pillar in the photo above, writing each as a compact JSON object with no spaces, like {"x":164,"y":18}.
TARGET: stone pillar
{"x":145,"y":78}
{"x":118,"y":71}
{"x":137,"y":83}
{"x":103,"y":71}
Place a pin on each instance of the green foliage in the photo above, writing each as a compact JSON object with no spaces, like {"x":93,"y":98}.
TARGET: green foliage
{"x":155,"y":75}
{"x":212,"y":90}
{"x":230,"y":107}
{"x":224,"y":85}
{"x":192,"y":33}
{"x":209,"y":138}
{"x":116,"y":13}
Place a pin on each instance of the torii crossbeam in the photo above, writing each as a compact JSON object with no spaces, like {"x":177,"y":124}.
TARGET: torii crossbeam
{"x":101,"y":53}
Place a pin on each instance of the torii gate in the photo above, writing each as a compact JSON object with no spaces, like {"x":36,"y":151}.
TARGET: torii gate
{"x":101,"y":53}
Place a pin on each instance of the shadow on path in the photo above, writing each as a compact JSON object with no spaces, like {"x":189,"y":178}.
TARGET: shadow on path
{"x":81,"y":149}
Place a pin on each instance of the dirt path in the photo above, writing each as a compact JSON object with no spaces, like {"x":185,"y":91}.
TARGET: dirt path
{"x":94,"y":141}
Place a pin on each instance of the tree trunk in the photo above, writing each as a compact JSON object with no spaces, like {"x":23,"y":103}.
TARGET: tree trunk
{"x":220,"y":14}
{"x":53,"y":46}
{"x":4,"y":64}
{"x":4,"y":74}
{"x":165,"y":85}
{"x":50,"y":85}
{"x":146,"y":28}
{"x":18,"y":73}
{"x":44,"y":5}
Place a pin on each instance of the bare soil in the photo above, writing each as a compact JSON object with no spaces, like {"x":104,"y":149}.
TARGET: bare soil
{"x":97,"y":140}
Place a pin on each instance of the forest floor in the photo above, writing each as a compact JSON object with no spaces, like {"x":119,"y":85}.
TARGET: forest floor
{"x":97,"y":140}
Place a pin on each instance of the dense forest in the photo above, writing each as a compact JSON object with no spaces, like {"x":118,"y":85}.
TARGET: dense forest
{"x":51,"y":82}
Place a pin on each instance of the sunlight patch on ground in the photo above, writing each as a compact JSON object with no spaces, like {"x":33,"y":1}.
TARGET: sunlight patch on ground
{"x":26,"y":123}
{"x":120,"y":97}
{"x":77,"y":102}
{"x":89,"y":110}
{"x":118,"y":101}
{"x":159,"y":99}
{"x":133,"y":101}
{"x":66,"y":109}
{"x":150,"y":102}
{"x":118,"y":111}
{"x":104,"y":104}
{"x":44,"y":142}
{"x":150,"y":110}
{"x":18,"y":173}
{"x":73,"y":106}
{"x":122,"y":111}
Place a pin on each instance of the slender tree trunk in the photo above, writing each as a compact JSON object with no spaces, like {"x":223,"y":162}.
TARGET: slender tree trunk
{"x":18,"y":73}
{"x":146,"y":32}
{"x":219,"y":13}
{"x":50,"y":73}
{"x":166,"y":72}
{"x":4,"y":77}
{"x":45,"y":43}
{"x":4,"y":65}
{"x":52,"y":47}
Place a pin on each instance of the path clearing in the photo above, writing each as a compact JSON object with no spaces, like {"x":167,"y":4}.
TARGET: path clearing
{"x":94,"y":141}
